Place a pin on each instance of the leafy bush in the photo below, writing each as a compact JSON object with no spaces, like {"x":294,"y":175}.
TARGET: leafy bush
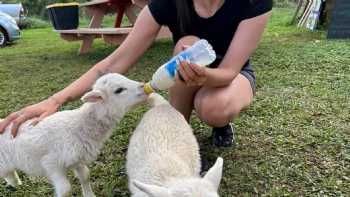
{"x":33,"y":23}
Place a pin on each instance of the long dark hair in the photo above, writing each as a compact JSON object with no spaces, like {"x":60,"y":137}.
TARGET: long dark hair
{"x":184,"y":15}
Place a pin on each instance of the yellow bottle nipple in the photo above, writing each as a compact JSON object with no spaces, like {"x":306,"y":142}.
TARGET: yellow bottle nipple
{"x":148,"y":88}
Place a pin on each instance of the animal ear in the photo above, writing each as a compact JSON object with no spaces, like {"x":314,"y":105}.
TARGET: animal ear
{"x":214,"y":175}
{"x":151,"y":190}
{"x":93,"y":96}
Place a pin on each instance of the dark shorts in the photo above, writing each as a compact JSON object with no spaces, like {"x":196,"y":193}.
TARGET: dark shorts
{"x":247,"y":71}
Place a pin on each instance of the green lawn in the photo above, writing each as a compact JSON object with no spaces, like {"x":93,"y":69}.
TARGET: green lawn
{"x":293,"y":140}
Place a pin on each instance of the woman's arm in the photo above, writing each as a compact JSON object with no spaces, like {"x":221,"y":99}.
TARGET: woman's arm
{"x":242,"y":46}
{"x":139,"y":40}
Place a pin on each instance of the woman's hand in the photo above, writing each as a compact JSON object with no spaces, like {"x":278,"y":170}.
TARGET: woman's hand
{"x":191,"y":74}
{"x":37,"y":112}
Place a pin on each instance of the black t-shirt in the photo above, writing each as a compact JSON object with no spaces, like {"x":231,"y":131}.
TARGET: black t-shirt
{"x":218,"y":29}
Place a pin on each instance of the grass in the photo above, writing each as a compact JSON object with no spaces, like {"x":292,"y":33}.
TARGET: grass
{"x":292,"y":141}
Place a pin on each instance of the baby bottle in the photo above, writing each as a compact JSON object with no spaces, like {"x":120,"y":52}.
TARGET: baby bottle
{"x":201,"y":53}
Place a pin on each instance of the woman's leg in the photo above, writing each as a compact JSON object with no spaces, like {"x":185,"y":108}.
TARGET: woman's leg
{"x":218,"y":106}
{"x":182,"y":96}
{"x":215,"y":106}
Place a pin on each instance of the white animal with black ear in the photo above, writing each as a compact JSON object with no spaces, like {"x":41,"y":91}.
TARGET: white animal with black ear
{"x":69,"y":139}
{"x":163,"y":157}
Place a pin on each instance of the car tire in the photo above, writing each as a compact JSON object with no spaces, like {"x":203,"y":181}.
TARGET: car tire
{"x":3,"y":37}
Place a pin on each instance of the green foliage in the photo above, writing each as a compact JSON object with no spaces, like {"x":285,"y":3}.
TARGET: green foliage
{"x":284,"y":3}
{"x":34,"y":23}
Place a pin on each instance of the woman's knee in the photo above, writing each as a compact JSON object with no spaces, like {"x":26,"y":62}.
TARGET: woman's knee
{"x":186,"y":40}
{"x":217,"y":111}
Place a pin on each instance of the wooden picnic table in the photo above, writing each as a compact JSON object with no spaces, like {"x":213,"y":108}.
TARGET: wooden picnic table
{"x":97,"y":9}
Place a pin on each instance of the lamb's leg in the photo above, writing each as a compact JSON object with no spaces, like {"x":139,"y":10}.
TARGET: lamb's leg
{"x":83,"y":174}
{"x":6,"y":169}
{"x":61,"y":183}
{"x":13,"y":179}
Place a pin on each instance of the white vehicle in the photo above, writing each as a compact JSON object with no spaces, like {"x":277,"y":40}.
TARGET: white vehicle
{"x":15,"y":10}
{"x":9,"y":30}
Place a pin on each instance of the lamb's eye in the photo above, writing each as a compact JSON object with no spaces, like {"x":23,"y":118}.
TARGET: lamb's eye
{"x":119,"y":90}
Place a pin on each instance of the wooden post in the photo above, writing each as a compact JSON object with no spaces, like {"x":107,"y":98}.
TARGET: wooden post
{"x":328,"y":11}
{"x":96,"y":22}
{"x":120,"y":14}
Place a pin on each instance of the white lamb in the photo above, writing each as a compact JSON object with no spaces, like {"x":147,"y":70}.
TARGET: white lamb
{"x":163,"y":157}
{"x":70,"y":139}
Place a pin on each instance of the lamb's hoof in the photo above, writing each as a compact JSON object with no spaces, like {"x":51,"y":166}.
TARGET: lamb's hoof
{"x":11,"y":188}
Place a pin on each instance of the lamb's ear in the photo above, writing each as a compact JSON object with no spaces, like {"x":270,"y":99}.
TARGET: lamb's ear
{"x":214,"y":175}
{"x":93,"y":96}
{"x":152,"y":190}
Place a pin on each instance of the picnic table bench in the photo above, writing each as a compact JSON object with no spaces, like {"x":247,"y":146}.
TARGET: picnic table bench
{"x":97,"y":9}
